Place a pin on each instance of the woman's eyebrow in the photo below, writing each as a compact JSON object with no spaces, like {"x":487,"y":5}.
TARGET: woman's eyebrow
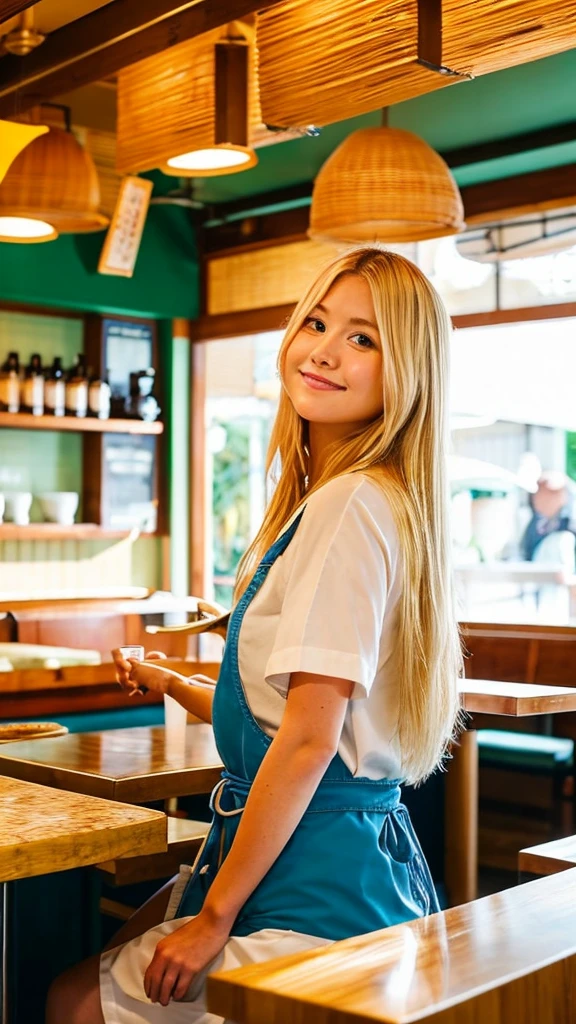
{"x":360,"y":322}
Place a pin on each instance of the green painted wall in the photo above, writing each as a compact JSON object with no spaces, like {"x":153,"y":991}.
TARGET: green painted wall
{"x":63,"y":273}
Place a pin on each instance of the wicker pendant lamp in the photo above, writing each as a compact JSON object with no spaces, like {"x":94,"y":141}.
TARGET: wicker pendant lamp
{"x":191,"y":110}
{"x":52,"y":182}
{"x":384,"y":184}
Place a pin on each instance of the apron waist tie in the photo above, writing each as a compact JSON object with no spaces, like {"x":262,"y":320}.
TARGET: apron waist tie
{"x":230,"y":794}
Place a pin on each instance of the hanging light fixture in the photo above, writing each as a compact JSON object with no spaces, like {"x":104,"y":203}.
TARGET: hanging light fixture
{"x":191,"y":110}
{"x":385,"y":184}
{"x":50,"y":188}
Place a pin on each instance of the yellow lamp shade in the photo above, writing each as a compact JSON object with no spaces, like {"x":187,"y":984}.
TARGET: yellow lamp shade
{"x":13,"y":138}
{"x":384,"y":184}
{"x":53,"y":180}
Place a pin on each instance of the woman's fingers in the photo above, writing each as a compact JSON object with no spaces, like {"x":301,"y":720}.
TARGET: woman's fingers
{"x":122,"y":667}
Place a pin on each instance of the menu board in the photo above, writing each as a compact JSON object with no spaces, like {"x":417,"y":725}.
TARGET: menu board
{"x":122,"y":241}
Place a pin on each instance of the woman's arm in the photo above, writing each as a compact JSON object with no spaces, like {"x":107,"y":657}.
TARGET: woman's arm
{"x":288,"y":777}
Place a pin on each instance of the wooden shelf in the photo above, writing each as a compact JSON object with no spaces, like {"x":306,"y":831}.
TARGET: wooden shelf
{"x":53,"y":531}
{"x":25,"y":421}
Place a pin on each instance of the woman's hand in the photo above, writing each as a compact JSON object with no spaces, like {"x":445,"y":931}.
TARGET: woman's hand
{"x":138,"y":676}
{"x":180,"y":957}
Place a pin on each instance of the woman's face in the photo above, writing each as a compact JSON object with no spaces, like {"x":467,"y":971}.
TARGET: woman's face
{"x":333,"y":367}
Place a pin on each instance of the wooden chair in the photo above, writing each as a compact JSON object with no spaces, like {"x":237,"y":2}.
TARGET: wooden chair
{"x":510,"y":957}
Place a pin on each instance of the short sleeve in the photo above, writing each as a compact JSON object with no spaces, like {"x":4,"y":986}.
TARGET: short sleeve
{"x":340,"y":562}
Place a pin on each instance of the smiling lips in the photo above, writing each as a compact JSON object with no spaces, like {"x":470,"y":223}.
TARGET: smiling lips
{"x":320,"y":383}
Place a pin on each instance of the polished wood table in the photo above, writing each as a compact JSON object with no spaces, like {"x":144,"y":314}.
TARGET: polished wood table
{"x":132,"y":765}
{"x":510,"y":957}
{"x":494,"y":698}
{"x":45,"y":830}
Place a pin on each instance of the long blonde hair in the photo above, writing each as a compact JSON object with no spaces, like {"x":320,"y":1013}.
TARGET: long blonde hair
{"x":404,"y":450}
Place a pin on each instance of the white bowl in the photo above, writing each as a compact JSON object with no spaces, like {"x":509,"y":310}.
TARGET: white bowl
{"x":59,"y":506}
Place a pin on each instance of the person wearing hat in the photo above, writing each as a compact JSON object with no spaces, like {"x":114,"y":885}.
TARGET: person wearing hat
{"x":340,"y":670}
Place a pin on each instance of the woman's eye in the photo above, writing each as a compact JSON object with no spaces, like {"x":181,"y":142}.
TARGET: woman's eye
{"x":317,"y":325}
{"x":363,"y":340}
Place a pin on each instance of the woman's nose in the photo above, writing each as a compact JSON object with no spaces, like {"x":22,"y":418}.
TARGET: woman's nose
{"x":325,"y":352}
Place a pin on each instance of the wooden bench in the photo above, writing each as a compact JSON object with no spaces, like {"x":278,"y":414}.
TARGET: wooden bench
{"x":510,"y":957}
{"x":548,"y":858}
{"x":184,"y":840}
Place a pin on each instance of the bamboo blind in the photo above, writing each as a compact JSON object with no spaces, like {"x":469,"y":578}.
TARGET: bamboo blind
{"x":320,"y":66}
{"x":480,"y":36}
{"x":321,"y":62}
{"x":264,"y":277}
{"x":166,"y":103}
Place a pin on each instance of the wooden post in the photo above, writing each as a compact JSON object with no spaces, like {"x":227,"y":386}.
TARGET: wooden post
{"x":461,"y":830}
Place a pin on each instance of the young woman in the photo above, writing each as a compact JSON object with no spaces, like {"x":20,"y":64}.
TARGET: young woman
{"x":340,"y":668}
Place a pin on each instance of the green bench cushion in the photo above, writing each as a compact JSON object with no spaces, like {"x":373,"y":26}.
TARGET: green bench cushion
{"x":108,"y":718}
{"x":524,"y":750}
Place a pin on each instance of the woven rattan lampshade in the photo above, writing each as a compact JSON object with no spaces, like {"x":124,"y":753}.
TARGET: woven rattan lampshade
{"x":167,"y":105}
{"x":53,"y":180}
{"x":384,"y":184}
{"x":321,"y":62}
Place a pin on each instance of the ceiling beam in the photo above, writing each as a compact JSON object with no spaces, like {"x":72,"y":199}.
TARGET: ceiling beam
{"x":10,"y":8}
{"x":108,"y":39}
{"x":489,"y":202}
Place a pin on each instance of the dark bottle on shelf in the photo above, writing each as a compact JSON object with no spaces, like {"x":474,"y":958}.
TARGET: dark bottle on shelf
{"x":77,"y":389}
{"x":55,"y":389}
{"x":10,"y":384}
{"x":142,"y":404}
{"x":99,"y":397}
{"x":32,"y":390}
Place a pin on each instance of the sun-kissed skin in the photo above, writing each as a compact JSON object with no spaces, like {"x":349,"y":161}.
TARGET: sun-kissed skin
{"x":340,"y":343}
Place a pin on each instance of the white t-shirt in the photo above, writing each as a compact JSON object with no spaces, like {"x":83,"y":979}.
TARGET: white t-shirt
{"x":329,"y":605}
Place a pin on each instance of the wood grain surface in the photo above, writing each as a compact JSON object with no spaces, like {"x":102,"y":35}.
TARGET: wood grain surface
{"x":185,"y":838}
{"x":547,"y":858}
{"x":44,"y":830}
{"x":515,"y":699}
{"x":505,"y":959}
{"x":132,"y":765}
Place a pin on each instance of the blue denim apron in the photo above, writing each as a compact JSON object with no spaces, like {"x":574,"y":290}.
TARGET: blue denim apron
{"x":353,"y":864}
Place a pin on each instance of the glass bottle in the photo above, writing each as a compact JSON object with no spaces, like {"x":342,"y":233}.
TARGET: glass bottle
{"x":99,"y":397}
{"x":10,"y":384}
{"x":142,"y":403}
{"x":55,"y":389}
{"x":32,"y":390}
{"x":77,"y":389}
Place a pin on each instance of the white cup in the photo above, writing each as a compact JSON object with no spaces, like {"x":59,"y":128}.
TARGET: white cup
{"x":17,"y":507}
{"x":132,"y":651}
